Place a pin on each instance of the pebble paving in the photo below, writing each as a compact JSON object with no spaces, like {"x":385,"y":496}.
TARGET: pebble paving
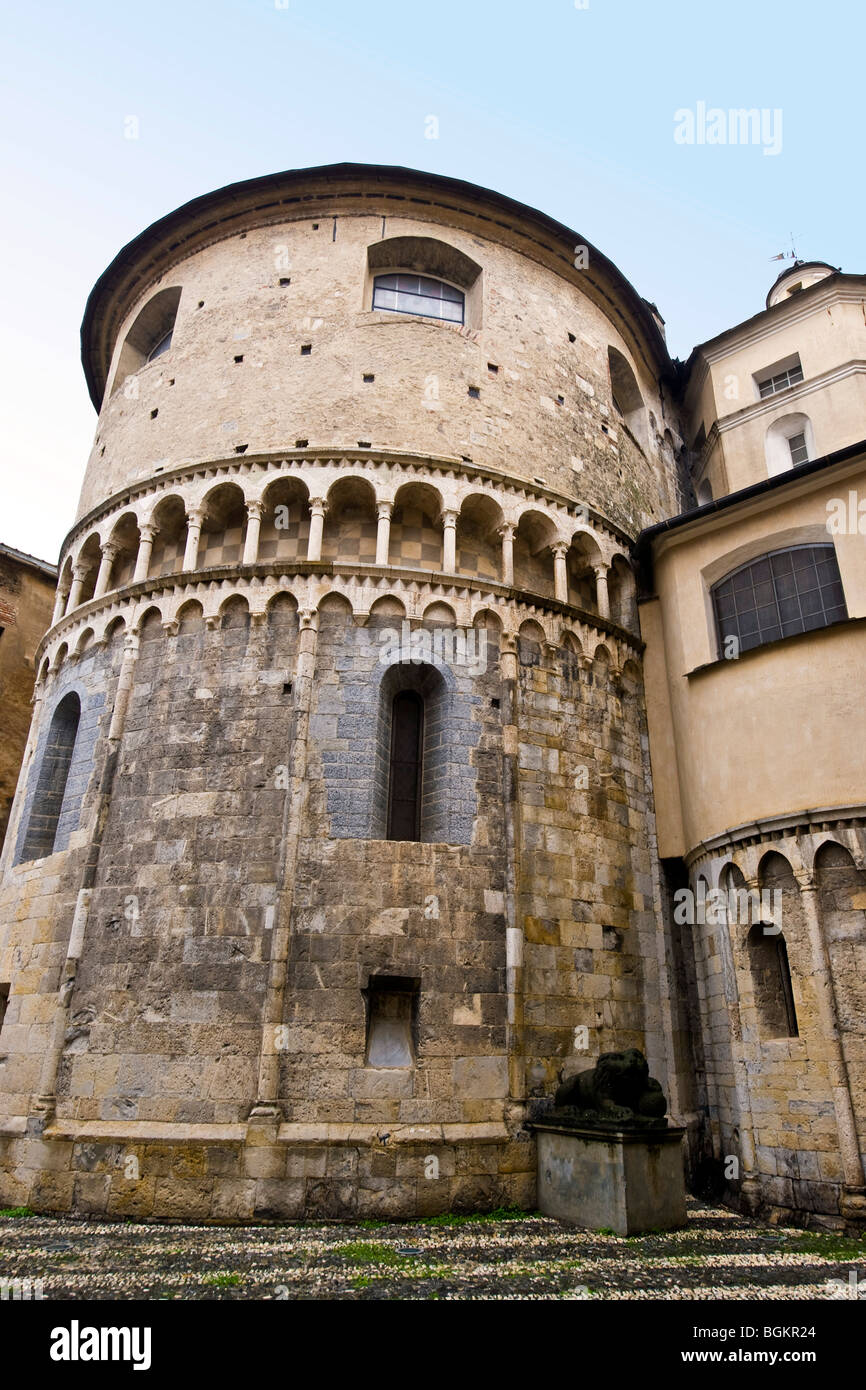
{"x":503,"y":1255}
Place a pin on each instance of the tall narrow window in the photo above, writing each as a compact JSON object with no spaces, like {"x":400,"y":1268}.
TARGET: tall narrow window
{"x":53,"y":776}
{"x":771,"y":980}
{"x":799,"y":449}
{"x":404,"y":792}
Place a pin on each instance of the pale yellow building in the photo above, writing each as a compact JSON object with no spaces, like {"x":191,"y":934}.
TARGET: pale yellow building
{"x":752,"y":614}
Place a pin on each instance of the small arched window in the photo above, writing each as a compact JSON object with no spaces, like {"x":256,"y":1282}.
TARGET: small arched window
{"x":53,"y":776}
{"x":404,"y":787}
{"x":786,"y":592}
{"x":405,"y":293}
{"x":771,"y":982}
{"x":150,"y":335}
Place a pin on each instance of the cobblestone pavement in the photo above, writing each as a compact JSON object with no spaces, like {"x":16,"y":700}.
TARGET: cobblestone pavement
{"x":505,"y":1255}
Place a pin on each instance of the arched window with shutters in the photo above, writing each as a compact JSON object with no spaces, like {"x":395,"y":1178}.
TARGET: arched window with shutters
{"x":406,"y":772}
{"x":50,"y":790}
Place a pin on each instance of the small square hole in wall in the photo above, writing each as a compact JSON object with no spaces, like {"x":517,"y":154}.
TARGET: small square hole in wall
{"x":153,"y":414}
{"x":302,"y":443}
{"x":287,"y":687}
{"x":494,"y":703}
{"x":541,"y":481}
{"x":4,"y":1000}
{"x":306,"y":349}
{"x":364,"y":444}
{"x":200,"y":304}
{"x":315,"y":226}
{"x":560,"y":400}
{"x":605,"y":430}
{"x":285,"y":280}
{"x":571,"y":338}
{"x":492,"y":367}
{"x":171,"y":381}
{"x":102,"y":451}
{"x":611,"y":939}
{"x":368,"y":376}
{"x":467,"y":458}
{"x":241,"y":448}
{"x":392,"y":1011}
{"x":240,"y":359}
{"x":474,"y":392}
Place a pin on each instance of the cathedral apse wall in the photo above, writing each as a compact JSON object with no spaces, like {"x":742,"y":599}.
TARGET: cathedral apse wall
{"x":334,"y":841}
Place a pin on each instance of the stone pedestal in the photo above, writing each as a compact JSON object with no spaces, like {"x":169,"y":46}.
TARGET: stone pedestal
{"x":623,"y":1180}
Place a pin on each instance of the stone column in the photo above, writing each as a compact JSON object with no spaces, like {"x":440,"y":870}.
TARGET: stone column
{"x":79,"y":574}
{"x":59,"y":603}
{"x":514,"y":938}
{"x":602,"y":597}
{"x":383,"y":535}
{"x":822,"y":982}
{"x":147,"y":532}
{"x":560,"y":571}
{"x":254,"y":524}
{"x":267,"y":1106}
{"x":507,"y":534}
{"x":194,"y":522}
{"x":449,"y":541}
{"x":108,"y":553}
{"x":317,"y":527}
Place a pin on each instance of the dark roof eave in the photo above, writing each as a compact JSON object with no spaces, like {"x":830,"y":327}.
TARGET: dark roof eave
{"x":236,"y":192}
{"x":645,"y":541}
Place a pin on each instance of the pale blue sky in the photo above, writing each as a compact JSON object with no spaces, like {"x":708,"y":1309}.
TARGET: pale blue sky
{"x":570,"y":110}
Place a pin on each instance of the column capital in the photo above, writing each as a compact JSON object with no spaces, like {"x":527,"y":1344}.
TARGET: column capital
{"x":254,"y":509}
{"x":110,"y":549}
{"x":448,"y":516}
{"x":506,"y":530}
{"x":561,"y":548}
{"x":196,"y":515}
{"x":318,"y":506}
{"x":147,"y":530}
{"x":601,"y":571}
{"x":384,"y":510}
{"x":80,"y":571}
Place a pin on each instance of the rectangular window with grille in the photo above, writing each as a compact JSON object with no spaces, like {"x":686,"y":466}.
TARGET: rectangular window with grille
{"x":780,"y":381}
{"x":799,"y":452}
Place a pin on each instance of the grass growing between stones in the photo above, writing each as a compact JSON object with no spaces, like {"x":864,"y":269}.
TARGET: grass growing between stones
{"x":506,"y":1255}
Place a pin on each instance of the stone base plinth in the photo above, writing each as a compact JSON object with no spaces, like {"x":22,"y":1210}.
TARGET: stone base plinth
{"x":621,"y":1180}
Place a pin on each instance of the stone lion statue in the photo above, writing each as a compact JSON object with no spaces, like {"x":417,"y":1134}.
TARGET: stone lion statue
{"x":619,"y":1087}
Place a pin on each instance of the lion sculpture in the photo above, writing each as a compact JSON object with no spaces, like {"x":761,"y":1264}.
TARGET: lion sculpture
{"x":619,"y":1087}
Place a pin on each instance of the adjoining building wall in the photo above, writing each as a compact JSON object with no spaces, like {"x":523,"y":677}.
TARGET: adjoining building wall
{"x":26,"y":600}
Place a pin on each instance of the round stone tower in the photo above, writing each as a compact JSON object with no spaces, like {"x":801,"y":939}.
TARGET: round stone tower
{"x":333,"y":844}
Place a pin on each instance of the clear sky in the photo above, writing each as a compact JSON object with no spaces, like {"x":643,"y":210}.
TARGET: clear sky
{"x":571,"y":110}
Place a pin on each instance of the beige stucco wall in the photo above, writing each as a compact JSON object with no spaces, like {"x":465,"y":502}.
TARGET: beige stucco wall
{"x":780,"y":729}
{"x":826,"y":328}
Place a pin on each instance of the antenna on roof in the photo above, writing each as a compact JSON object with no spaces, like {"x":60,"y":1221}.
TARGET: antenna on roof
{"x":787,"y":255}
